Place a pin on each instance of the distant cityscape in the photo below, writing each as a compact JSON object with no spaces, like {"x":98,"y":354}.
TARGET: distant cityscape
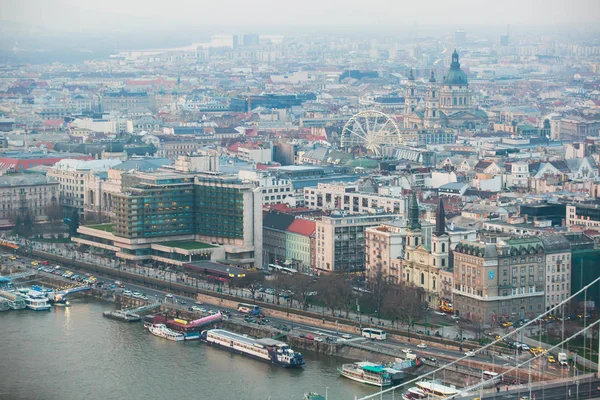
{"x":462,"y":166}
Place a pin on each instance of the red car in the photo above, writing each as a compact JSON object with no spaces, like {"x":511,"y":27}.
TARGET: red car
{"x":310,"y":337}
{"x":46,"y":262}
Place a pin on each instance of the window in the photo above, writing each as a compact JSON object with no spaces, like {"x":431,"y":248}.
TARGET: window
{"x":443,"y":247}
{"x":422,"y":278}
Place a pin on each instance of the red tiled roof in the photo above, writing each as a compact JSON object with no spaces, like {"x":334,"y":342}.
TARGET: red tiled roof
{"x":303,"y":227}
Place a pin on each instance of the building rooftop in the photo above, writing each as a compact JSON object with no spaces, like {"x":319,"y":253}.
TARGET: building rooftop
{"x":22,"y":180}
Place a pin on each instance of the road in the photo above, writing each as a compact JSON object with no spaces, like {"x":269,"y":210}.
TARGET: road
{"x":586,"y":391}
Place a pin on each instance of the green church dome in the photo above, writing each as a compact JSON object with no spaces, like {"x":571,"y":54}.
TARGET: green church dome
{"x":455,"y":75}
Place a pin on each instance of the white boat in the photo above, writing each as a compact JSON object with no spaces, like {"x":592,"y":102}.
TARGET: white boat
{"x":414,"y":393}
{"x":435,"y":390}
{"x":37,"y":301}
{"x":162,"y":331}
{"x":366,"y":372}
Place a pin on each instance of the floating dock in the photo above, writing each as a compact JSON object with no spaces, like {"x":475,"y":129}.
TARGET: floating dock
{"x":132,"y":315}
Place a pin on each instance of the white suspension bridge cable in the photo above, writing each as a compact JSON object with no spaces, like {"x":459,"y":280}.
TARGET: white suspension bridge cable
{"x":435,"y":371}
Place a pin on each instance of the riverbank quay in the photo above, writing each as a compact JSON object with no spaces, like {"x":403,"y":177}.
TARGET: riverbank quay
{"x":322,"y":322}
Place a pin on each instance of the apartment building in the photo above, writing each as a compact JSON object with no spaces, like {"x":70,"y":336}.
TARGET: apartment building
{"x":504,"y":281}
{"x":335,"y":196}
{"x":72,"y":177}
{"x":558,"y":269}
{"x":274,"y":189}
{"x":21,"y":194}
{"x":340,"y":241}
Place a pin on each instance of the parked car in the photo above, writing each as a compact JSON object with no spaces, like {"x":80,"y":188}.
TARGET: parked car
{"x":310,"y":337}
{"x":319,"y":339}
{"x":169,"y":295}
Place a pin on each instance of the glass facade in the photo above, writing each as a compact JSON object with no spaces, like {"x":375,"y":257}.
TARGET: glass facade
{"x":219,"y":210}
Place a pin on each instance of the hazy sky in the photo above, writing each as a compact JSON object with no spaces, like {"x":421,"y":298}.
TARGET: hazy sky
{"x":110,"y":15}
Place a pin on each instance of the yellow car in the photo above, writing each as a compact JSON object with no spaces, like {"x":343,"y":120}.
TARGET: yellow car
{"x":551,"y":359}
{"x":34,"y":263}
{"x":507,"y":324}
{"x":13,"y":258}
{"x":497,"y":337}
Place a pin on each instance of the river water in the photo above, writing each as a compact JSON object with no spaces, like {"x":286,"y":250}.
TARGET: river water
{"x":75,"y":353}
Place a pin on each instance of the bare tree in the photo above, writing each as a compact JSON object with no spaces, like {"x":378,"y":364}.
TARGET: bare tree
{"x":394,"y":304}
{"x":379,"y":288}
{"x":326,"y":291}
{"x":300,"y":285}
{"x":345,"y":295}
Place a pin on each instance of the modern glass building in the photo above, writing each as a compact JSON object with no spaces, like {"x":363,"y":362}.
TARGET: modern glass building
{"x":177,"y":218}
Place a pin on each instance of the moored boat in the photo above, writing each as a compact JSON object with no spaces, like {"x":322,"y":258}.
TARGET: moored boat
{"x":366,"y":372}
{"x":435,"y":389}
{"x":268,"y":350}
{"x":313,"y":396}
{"x":414,"y":393}
{"x":162,"y":331}
{"x":36,"y":301}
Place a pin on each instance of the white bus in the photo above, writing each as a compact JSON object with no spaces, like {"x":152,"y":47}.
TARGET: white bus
{"x":372,"y":333}
{"x":491,"y":378}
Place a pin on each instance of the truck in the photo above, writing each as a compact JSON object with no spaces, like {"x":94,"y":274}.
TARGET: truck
{"x":562,"y":359}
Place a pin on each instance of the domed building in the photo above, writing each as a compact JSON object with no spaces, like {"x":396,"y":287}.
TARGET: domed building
{"x":446,"y":105}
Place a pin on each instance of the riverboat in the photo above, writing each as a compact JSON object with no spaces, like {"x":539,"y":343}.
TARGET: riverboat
{"x":162,"y":331}
{"x":36,"y":301}
{"x":431,"y":390}
{"x":268,"y":350}
{"x":367,"y":372}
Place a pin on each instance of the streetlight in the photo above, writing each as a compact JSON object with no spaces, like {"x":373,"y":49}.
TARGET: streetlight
{"x":326,"y":392}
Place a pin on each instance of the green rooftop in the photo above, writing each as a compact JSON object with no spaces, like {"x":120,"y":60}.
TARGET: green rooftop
{"x":187,"y":245}
{"x":102,"y":227}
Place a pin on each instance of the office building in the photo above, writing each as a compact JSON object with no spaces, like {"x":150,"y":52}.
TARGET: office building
{"x":177,"y":218}
{"x":497,"y":282}
{"x":340,"y":241}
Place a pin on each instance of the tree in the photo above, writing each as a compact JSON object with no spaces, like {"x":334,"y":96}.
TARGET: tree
{"x":345,"y":294}
{"x":300,"y":285}
{"x":379,"y":288}
{"x":326,"y":291}
{"x":54,"y":214}
{"x":394,"y":304}
{"x":74,"y":223}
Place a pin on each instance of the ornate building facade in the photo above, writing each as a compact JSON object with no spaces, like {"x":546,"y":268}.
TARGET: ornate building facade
{"x":446,"y":105}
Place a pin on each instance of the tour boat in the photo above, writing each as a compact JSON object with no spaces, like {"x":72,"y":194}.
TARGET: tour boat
{"x":162,"y":331}
{"x":434,"y":389}
{"x":366,"y":372}
{"x":36,"y":301}
{"x":268,"y":350}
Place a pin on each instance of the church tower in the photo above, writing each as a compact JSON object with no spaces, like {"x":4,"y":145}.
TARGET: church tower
{"x":454,"y":92}
{"x":413,"y":228}
{"x":432,"y":105}
{"x":440,"y":240}
{"x":410,"y":98}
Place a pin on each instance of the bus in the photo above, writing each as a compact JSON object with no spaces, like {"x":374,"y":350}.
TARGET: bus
{"x":372,"y":333}
{"x":280,"y":269}
{"x":252,"y":309}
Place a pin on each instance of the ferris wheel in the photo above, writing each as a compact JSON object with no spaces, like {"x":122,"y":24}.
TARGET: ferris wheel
{"x":370,"y":129}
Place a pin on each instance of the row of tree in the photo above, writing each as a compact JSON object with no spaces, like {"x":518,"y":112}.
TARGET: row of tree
{"x":338,"y":296}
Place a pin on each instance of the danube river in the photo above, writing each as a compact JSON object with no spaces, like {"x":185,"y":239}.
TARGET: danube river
{"x":74,"y":353}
